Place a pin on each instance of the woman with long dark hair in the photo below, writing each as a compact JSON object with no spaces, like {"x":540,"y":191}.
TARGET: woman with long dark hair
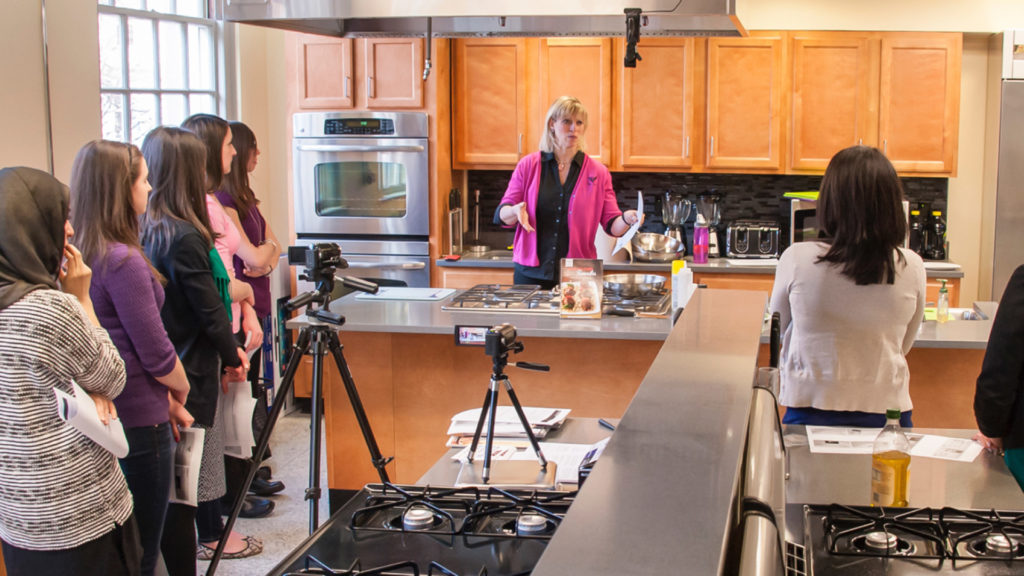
{"x":851,"y":302}
{"x":64,"y":504}
{"x":109,"y":190}
{"x":178,"y":240}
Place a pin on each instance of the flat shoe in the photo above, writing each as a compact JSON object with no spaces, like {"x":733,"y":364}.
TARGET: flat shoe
{"x":262,"y":487}
{"x":253,"y":546}
{"x":252,"y":507}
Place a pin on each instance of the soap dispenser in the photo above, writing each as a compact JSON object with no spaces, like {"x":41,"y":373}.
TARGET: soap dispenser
{"x":942,"y":310}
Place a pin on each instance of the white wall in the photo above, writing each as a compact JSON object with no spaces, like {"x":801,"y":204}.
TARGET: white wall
{"x":71,"y":35}
{"x":907,"y":15}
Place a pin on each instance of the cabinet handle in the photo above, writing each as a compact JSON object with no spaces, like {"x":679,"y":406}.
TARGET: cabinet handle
{"x":686,"y":152}
{"x":712,"y":155}
{"x":369,"y":87}
{"x":519,"y":146}
{"x":885,"y":147}
{"x":860,"y":141}
{"x":348,"y":85}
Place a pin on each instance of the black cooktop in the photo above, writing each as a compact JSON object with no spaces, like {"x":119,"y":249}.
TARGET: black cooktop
{"x":388,"y":529}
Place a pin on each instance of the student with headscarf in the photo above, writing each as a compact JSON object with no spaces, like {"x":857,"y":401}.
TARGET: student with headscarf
{"x":64,"y":505}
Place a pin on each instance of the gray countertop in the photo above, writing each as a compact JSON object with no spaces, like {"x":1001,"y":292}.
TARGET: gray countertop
{"x":659,"y":497}
{"x":503,"y":259}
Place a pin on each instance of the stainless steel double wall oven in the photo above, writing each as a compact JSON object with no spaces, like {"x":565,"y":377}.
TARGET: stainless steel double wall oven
{"x":362,"y":181}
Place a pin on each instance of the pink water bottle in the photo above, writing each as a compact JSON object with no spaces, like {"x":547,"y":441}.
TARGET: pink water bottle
{"x":701,"y":240}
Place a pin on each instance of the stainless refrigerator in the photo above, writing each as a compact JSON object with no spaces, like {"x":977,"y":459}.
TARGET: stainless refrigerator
{"x":1008,"y":242}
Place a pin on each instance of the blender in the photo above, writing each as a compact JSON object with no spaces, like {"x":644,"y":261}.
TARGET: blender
{"x":709,"y":206}
{"x":675,"y":209}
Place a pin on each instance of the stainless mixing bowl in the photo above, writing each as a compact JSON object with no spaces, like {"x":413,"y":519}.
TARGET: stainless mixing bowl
{"x":630,"y":285}
{"x":652,"y":247}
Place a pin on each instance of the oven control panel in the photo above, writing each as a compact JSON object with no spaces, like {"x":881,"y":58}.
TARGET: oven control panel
{"x":359,"y":126}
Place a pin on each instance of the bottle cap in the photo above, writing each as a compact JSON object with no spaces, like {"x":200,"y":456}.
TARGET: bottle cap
{"x":892,"y":414}
{"x":700,"y":220}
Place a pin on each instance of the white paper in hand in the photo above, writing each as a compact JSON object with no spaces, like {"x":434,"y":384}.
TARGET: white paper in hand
{"x":625,"y":238}
{"x":79,"y":410}
{"x":235,"y":414}
{"x":188,"y":455}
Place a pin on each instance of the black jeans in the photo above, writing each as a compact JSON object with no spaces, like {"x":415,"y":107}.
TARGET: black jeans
{"x":147,"y":468}
{"x":178,"y":544}
{"x":116,"y":553}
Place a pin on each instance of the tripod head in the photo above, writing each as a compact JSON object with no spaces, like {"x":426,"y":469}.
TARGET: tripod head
{"x":320,"y":262}
{"x":499,"y":341}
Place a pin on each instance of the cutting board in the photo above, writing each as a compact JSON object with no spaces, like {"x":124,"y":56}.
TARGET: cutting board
{"x":405,"y":293}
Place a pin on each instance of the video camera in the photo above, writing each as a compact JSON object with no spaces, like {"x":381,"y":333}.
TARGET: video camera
{"x":497,"y":341}
{"x":319,"y":261}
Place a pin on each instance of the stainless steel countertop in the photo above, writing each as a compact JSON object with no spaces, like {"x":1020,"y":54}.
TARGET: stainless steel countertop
{"x":658,"y":500}
{"x":503,"y":259}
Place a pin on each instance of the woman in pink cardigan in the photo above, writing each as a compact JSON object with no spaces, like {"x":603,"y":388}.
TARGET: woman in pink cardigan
{"x":557,"y":198}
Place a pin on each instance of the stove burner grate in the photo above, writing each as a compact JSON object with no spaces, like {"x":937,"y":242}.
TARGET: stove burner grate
{"x":883,"y":532}
{"x":988,"y":535}
{"x":428,"y":511}
{"x":509,"y":515}
{"x":407,"y":568}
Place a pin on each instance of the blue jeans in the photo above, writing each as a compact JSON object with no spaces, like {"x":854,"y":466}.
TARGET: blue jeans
{"x":816,"y":417}
{"x":147,"y":468}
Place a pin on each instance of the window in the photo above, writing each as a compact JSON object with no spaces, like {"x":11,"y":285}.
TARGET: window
{"x":159,"y":64}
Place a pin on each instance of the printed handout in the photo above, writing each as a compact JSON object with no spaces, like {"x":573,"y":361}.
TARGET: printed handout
{"x":838,"y":440}
{"x":185,"y":474}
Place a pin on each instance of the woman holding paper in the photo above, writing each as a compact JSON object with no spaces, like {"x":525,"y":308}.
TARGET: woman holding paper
{"x":64,"y":505}
{"x":109,"y":190}
{"x":557,"y":198}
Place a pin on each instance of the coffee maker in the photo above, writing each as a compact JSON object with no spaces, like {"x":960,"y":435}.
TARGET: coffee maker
{"x":675,"y":209}
{"x":709,"y":206}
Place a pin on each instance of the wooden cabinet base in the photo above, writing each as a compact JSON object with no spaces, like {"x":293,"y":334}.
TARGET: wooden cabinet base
{"x":412,"y":384}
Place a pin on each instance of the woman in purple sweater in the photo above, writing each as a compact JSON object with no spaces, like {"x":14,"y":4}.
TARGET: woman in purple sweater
{"x":109,"y":190}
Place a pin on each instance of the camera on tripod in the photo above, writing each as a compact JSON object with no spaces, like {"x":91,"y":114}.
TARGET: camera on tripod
{"x":497,"y":341}
{"x":319,"y":261}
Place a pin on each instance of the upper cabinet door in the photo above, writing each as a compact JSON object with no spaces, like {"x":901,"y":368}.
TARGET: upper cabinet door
{"x":489,"y":116}
{"x":579,"y":67}
{"x":744,"y":102}
{"x":920,"y":101}
{"x":834,"y":96}
{"x":323,"y":72}
{"x":655,"y":123}
{"x":394,"y":73}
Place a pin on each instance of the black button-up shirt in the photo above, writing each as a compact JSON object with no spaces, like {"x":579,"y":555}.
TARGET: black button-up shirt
{"x":552,"y":219}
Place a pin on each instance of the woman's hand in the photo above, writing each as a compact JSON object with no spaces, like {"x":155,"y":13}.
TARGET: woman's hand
{"x":75,"y":276}
{"x":622,"y":224}
{"x":236,"y":373}
{"x":257,"y":271}
{"x":993,"y":445}
{"x":179,"y":418}
{"x":105,"y":408}
{"x":241,"y":292}
{"x":631,"y":217}
{"x":522,"y":216}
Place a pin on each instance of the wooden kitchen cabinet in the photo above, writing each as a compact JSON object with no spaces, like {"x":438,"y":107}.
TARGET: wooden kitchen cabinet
{"x":341,"y":73}
{"x":580,"y":67}
{"x":834,"y":95}
{"x":323,"y":72}
{"x":919,"y":101}
{"x":655,"y":116}
{"x":760,"y":282}
{"x":744,"y":102}
{"x":489,"y":109}
{"x":463,"y":278}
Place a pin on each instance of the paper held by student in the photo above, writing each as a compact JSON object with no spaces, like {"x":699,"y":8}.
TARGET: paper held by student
{"x":79,"y":410}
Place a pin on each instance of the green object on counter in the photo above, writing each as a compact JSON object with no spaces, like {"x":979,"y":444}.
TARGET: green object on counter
{"x":929,"y":314}
{"x":808,"y":195}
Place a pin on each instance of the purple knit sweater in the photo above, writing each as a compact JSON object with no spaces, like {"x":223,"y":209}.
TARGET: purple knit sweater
{"x":127,"y":299}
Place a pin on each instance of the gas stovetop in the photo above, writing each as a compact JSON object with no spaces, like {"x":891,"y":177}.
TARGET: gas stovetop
{"x":530,"y":299}
{"x":866,"y":541}
{"x":388,"y":529}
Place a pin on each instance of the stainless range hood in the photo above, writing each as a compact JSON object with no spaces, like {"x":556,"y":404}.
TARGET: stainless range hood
{"x":483,"y":18}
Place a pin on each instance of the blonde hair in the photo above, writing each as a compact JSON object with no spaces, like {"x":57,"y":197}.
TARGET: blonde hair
{"x":563,"y":107}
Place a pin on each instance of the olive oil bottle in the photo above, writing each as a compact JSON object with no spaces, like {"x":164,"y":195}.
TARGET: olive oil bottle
{"x":890,"y":464}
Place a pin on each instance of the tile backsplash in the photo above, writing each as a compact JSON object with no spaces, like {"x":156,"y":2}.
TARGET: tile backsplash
{"x":744,"y":196}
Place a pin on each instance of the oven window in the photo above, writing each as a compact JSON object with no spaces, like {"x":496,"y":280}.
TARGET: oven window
{"x":358,"y":188}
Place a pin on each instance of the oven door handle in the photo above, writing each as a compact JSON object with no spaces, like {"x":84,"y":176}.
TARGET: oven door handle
{"x":411,"y":265}
{"x":340,"y":148}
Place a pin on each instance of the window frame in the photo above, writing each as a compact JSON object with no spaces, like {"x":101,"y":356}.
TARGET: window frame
{"x":222,"y":42}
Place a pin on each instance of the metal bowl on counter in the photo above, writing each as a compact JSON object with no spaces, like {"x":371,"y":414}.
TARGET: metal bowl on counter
{"x":632,"y":285}
{"x":652,"y":247}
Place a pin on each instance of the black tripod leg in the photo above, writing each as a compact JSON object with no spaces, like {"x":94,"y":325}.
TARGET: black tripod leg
{"x":379,"y":462}
{"x":298,"y":351}
{"x":315,"y":419}
{"x":493,"y":413}
{"x":526,"y":425}
{"x":480,"y":424}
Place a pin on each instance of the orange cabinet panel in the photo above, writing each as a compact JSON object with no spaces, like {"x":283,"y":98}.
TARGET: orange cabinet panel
{"x":834,"y":95}
{"x":656,"y":105}
{"x":468,"y":277}
{"x":919,"y":105}
{"x":323,"y":72}
{"x":744,"y":99}
{"x":394,"y":72}
{"x":489,"y":107}
{"x":580,"y":67}
{"x":761,"y":282}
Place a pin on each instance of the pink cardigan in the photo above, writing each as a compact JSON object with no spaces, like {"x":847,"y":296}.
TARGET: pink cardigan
{"x":592,"y":204}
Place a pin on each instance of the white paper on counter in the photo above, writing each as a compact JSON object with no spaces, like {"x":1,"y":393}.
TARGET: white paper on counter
{"x":623,"y":240}
{"x":838,"y":440}
{"x":465,"y":422}
{"x":188,"y":455}
{"x":568,"y":457}
{"x":79,"y":410}
{"x":407,"y":293}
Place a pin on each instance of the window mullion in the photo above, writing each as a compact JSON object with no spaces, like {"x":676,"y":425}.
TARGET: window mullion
{"x":126,"y":108}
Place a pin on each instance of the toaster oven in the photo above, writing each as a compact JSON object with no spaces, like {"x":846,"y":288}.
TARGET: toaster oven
{"x":753,"y":239}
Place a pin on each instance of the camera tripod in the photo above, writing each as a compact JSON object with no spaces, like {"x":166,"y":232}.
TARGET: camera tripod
{"x":489,"y":409}
{"x":319,"y":335}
